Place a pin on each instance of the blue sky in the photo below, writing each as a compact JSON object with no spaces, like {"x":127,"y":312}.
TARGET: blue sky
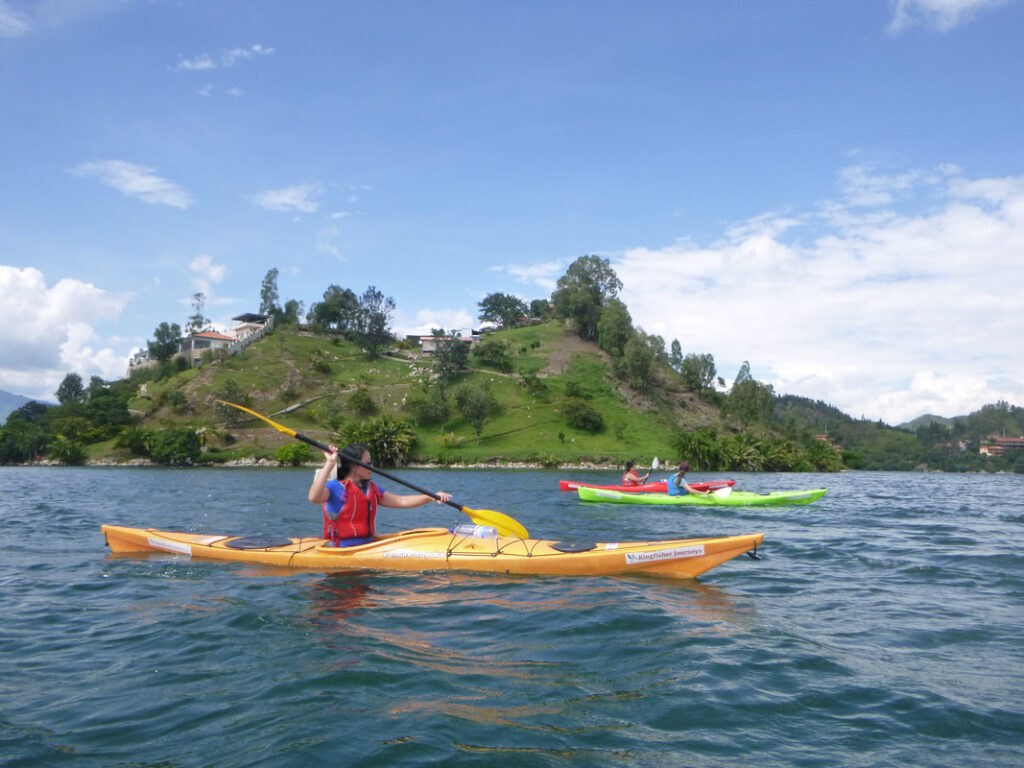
{"x":833,"y":191}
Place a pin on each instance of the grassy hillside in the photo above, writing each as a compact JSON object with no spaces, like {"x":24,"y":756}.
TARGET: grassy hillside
{"x":308,"y":382}
{"x":547,"y":378}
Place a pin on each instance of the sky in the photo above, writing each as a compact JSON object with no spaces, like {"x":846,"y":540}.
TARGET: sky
{"x":830,"y":191}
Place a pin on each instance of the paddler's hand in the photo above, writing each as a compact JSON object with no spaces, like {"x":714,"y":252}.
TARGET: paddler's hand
{"x":442,"y":497}
{"x":318,"y":493}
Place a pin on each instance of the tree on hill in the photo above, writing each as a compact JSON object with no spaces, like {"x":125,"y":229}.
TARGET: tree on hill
{"x":641,"y":357}
{"x":675,"y":356}
{"x":450,"y":357}
{"x":502,"y":308}
{"x":166,"y":339}
{"x":494,"y":353}
{"x":614,"y":328}
{"x":71,"y":391}
{"x":196,"y":321}
{"x":582,"y":292}
{"x":749,"y":400}
{"x":269,"y":299}
{"x":338,"y":312}
{"x":291,"y":314}
{"x":270,"y":302}
{"x":698,"y":371}
{"x":540,"y":308}
{"x":373,"y":331}
{"x":475,"y":404}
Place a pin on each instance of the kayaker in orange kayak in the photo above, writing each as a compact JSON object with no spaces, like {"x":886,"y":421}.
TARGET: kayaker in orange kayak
{"x":350,"y":503}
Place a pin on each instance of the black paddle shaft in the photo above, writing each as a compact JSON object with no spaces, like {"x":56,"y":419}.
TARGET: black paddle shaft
{"x":382,"y":473}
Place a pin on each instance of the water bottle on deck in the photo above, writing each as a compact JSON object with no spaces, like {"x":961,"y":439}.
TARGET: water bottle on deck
{"x":478,"y":531}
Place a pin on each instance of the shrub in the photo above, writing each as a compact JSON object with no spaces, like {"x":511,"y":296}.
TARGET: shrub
{"x":532,"y":383}
{"x":361,"y":402}
{"x":389,"y":440}
{"x":427,"y":406}
{"x":573,"y":388}
{"x":67,"y":451}
{"x":175,"y":446}
{"x":138,"y":440}
{"x":581,"y":415}
{"x":294,"y":454}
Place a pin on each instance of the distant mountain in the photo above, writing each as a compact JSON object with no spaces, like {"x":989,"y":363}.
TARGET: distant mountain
{"x":813,"y":413}
{"x":11,"y":402}
{"x":927,"y":420}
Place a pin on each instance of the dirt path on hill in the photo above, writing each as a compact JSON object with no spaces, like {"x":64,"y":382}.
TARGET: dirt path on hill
{"x":562,"y":351}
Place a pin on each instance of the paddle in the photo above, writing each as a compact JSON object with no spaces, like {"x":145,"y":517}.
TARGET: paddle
{"x":722,"y":492}
{"x":654,"y":468}
{"x":505,"y":525}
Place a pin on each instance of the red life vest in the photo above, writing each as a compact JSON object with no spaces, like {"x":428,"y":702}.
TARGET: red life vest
{"x":626,"y":481}
{"x":355,"y":520}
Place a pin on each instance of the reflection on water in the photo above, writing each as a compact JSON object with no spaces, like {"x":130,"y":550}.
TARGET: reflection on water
{"x":494,"y":632}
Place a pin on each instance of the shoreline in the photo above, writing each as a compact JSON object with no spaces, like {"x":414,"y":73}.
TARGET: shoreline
{"x":263,"y":463}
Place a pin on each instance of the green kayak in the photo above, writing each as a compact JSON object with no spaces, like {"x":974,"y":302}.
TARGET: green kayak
{"x":718,"y":499}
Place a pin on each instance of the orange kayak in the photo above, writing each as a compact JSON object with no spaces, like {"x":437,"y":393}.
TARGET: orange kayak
{"x":440,"y":549}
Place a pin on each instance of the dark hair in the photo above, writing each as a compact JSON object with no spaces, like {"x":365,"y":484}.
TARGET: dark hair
{"x":630,"y":465}
{"x":684,"y":466}
{"x":345,"y":456}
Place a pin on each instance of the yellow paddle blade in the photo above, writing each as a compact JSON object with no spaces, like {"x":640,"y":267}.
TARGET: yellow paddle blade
{"x":505,"y":525}
{"x":274,"y":424}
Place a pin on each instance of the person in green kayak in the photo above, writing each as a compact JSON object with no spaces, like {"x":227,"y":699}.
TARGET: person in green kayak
{"x":631,"y":477}
{"x":677,"y":485}
{"x":350,"y":501}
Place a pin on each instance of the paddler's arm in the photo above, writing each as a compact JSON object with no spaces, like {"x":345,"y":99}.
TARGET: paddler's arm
{"x":399,"y":500}
{"x":318,"y":492}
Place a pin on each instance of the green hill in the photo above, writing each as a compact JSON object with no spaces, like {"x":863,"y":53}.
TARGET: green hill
{"x":537,"y":395}
{"x":319,"y":384}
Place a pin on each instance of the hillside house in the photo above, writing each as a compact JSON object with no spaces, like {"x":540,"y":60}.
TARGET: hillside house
{"x":250,"y":324}
{"x":249,"y":328}
{"x":429,"y":343}
{"x":193,"y":345}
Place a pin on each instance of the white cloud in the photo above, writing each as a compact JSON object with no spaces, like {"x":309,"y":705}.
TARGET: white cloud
{"x":207,"y":270}
{"x":944,"y":15}
{"x":135,"y":181}
{"x":888,"y":315}
{"x":327,"y":241}
{"x":295,"y":198}
{"x":544,"y":275}
{"x":206,"y":275}
{"x":425,"y":320}
{"x":861,"y":187}
{"x":204,"y":62}
{"x":54,"y":332}
{"x":13,"y":23}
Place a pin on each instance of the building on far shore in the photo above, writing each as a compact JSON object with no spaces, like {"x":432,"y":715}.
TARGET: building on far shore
{"x":998,"y":446}
{"x":248,"y":328}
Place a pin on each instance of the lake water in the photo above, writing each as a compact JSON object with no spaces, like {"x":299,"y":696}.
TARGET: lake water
{"x":884,"y":626}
